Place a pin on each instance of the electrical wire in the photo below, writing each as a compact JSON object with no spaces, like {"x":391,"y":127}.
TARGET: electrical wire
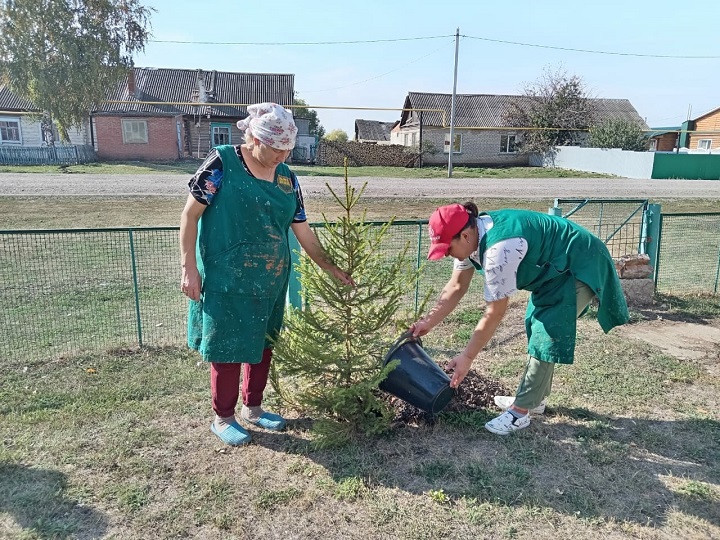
{"x":273,"y":43}
{"x":677,"y":56}
{"x":377,"y":76}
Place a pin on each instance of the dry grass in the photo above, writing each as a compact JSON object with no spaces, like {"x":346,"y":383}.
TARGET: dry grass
{"x":87,"y":212}
{"x":116,"y":444}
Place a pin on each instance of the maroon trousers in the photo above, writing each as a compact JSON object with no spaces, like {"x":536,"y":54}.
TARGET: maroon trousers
{"x":225,"y":384}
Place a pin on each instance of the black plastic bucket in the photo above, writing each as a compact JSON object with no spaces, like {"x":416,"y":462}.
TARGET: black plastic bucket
{"x":417,"y":379}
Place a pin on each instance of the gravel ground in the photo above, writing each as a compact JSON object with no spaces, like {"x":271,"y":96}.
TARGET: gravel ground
{"x":506,"y":188}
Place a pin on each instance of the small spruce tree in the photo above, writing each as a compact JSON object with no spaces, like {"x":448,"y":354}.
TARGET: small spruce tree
{"x":328,"y":358}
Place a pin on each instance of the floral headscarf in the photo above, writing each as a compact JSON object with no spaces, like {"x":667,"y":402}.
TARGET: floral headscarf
{"x":272,"y":124}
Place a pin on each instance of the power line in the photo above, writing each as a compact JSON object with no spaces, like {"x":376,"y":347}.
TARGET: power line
{"x":686,"y":57}
{"x":420,"y":38}
{"x":277,"y":43}
{"x":377,"y":76}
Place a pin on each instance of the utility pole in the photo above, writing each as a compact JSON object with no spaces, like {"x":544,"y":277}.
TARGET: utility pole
{"x":452,"y":106}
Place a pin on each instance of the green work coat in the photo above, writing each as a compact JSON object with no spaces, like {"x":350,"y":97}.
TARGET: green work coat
{"x":559,"y":252}
{"x":243,"y":258}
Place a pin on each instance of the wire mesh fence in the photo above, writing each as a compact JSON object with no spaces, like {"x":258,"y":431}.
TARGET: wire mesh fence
{"x":76,"y":290}
{"x":689,"y":254}
{"x":69,"y":291}
{"x":620,"y":223}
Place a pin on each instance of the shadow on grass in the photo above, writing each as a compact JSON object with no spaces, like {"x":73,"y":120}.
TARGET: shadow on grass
{"x":583,"y":465}
{"x":34,"y":498}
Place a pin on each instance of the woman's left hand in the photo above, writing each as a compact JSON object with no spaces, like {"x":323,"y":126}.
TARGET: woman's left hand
{"x":460,"y":366}
{"x":341,"y":276}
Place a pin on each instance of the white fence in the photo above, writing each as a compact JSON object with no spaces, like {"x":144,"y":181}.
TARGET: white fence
{"x":600,"y":160}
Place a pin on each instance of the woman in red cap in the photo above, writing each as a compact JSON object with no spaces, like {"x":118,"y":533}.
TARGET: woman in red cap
{"x":562,"y":264}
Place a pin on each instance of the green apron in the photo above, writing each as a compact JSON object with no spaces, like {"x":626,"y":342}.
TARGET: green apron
{"x":559,"y":252}
{"x":243,"y":258}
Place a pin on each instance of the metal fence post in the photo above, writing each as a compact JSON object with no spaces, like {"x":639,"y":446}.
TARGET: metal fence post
{"x":135,"y":287}
{"x":650,"y":241}
{"x":419,"y":262}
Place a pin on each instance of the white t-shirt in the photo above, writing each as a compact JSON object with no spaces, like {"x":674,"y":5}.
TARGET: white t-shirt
{"x":500,"y":262}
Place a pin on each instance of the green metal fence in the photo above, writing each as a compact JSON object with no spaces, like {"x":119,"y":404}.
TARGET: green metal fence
{"x":74,"y":290}
{"x":688,"y":258}
{"x":620,"y":223}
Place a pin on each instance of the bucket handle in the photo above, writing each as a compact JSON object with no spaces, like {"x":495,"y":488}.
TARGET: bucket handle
{"x":405,"y":336}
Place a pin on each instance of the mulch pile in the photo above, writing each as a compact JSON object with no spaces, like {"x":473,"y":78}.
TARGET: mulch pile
{"x":474,"y":393}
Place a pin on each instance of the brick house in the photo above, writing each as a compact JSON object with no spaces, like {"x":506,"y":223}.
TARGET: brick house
{"x":168,"y":114}
{"x":664,"y":139}
{"x":481,"y":136}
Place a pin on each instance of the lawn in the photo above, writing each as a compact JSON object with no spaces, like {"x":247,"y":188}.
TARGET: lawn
{"x":190,"y":166}
{"x":113,"y":441}
{"x":116,"y":444}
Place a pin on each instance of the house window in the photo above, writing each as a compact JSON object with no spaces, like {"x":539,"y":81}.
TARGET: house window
{"x":406,"y":139}
{"x":704,"y":144}
{"x":457,"y":146}
{"x":413,"y":139}
{"x":135,"y":131}
{"x":220,"y":134}
{"x":10,"y":131}
{"x":507,"y":144}
{"x":653,"y":145}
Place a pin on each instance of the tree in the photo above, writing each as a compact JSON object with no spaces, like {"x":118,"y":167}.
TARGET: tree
{"x":301,"y":111}
{"x":620,"y":133}
{"x":556,"y":108}
{"x":337,"y":135}
{"x":328,"y":359}
{"x":63,"y":55}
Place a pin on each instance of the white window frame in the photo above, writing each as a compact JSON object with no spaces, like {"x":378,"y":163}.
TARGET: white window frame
{"x":406,"y":140}
{"x":505,"y":148}
{"x":457,"y":148}
{"x":134,"y":131}
{"x":216,"y":128}
{"x":7,"y":120}
{"x":704,"y":144}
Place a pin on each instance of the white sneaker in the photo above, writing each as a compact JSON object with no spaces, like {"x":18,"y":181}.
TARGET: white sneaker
{"x":505,"y":402}
{"x":506,"y":423}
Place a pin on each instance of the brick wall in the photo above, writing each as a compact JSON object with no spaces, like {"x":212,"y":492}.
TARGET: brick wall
{"x":162,"y":142}
{"x":479,"y":147}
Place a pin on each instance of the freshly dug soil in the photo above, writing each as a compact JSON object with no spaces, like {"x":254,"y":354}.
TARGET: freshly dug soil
{"x":474,"y":393}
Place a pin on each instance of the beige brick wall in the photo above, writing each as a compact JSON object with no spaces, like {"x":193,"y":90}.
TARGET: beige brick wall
{"x":479,"y":147}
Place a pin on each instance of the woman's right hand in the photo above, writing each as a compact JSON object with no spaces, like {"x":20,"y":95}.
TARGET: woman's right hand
{"x":191,"y":283}
{"x":420,"y":327}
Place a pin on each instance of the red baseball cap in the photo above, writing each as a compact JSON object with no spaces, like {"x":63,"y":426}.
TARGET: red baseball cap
{"x":444,"y":224}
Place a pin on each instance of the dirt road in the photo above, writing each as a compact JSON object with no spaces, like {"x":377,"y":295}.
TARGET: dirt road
{"x":506,"y":188}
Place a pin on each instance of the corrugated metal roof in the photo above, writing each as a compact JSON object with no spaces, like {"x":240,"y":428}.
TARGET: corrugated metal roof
{"x":164,"y":85}
{"x":488,"y":110}
{"x":9,"y":101}
{"x":373,"y":130}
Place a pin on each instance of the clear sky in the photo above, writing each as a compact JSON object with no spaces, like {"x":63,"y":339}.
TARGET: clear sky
{"x":380,"y":74}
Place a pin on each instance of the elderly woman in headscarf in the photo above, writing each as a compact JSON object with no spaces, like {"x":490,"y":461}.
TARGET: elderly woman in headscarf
{"x":235,"y":262}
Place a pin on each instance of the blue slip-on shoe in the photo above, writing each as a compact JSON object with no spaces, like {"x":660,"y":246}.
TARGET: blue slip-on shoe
{"x":234,"y":434}
{"x":273,"y":422}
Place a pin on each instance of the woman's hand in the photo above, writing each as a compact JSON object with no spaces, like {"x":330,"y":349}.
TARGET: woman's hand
{"x":341,"y":276}
{"x":460,"y":366}
{"x":420,"y":327}
{"x":191,"y":283}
